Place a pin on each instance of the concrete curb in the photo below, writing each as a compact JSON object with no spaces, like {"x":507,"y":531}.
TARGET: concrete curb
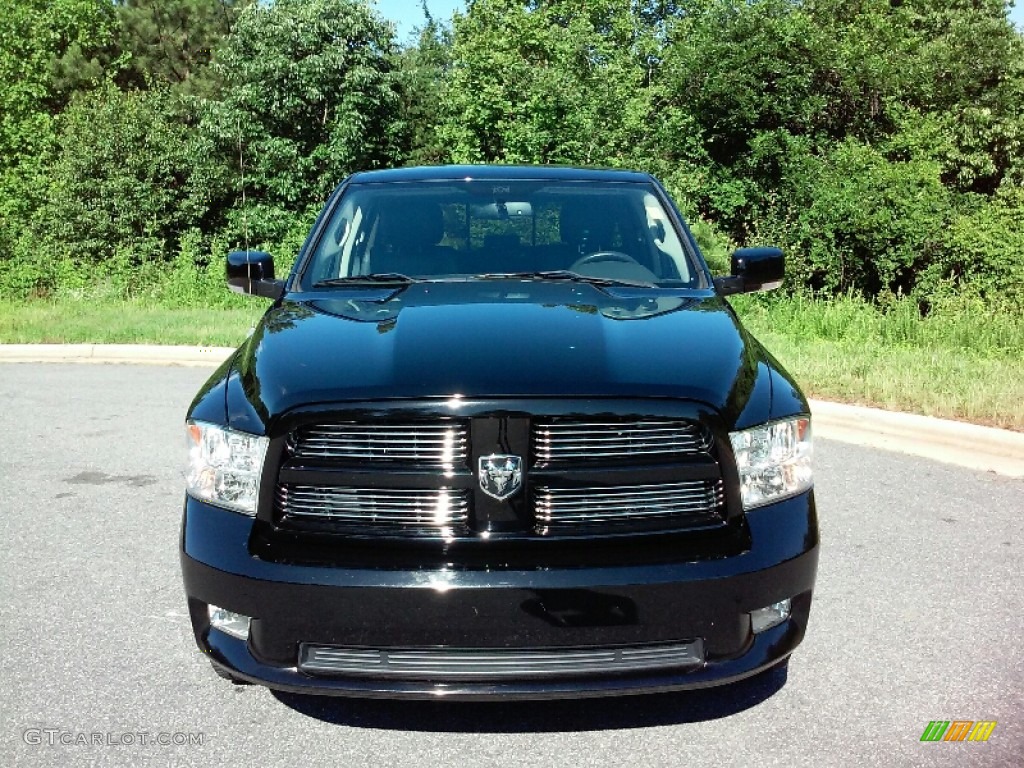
{"x":113,"y":353}
{"x":967,"y":445}
{"x":954,"y":442}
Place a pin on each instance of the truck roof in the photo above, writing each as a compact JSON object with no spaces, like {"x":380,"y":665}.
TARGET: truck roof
{"x":510,"y":172}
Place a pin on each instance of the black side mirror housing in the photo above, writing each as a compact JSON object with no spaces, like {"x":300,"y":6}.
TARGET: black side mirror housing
{"x":253,"y":272}
{"x":753,"y":269}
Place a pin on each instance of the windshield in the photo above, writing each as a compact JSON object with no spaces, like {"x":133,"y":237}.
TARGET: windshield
{"x":616,"y":232}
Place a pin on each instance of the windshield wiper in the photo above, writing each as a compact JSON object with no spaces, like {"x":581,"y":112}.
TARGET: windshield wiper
{"x":562,"y":274}
{"x":375,"y":278}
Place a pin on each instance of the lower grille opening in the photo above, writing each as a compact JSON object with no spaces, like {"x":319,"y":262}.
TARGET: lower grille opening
{"x":447,"y":664}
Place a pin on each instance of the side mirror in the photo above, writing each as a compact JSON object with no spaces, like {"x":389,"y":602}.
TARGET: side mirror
{"x":753,"y":269}
{"x":253,"y":272}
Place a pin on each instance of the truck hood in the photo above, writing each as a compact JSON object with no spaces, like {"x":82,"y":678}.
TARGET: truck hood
{"x":494,"y":339}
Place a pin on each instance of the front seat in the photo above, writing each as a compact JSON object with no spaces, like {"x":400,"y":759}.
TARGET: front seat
{"x":582,"y":229}
{"x":587,"y":229}
{"x":408,"y":243}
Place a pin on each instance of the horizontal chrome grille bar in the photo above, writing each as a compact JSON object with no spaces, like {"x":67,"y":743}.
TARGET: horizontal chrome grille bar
{"x":633,"y":490}
{"x":558,"y":442}
{"x":671,"y":505}
{"x":381,"y":511}
{"x":443,"y":664}
{"x":612,"y":514}
{"x":440,"y":444}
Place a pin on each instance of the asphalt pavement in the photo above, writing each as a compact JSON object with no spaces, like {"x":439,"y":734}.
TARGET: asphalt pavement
{"x":918,"y":616}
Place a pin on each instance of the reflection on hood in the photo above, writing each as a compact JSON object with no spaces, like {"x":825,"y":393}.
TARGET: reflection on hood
{"x":504,"y":339}
{"x":376,"y":305}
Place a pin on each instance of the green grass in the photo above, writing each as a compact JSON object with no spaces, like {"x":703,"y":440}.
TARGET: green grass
{"x":962,"y":362}
{"x":935,"y":383}
{"x":967,"y":327}
{"x":79,"y":322}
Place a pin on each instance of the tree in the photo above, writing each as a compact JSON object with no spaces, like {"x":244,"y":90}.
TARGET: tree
{"x":172,"y":42}
{"x":309,"y":97}
{"x":752,"y":93}
{"x":34,"y":35}
{"x":121,"y":180}
{"x":853,"y":221}
{"x":548,"y":82}
{"x":421,"y":71}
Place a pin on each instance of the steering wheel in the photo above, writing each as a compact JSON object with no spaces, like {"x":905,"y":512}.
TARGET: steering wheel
{"x":602,"y":257}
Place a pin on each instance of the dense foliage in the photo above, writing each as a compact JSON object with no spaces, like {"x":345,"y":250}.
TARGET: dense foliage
{"x":880,"y":142}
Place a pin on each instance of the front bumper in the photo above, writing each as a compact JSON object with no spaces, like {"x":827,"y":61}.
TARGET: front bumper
{"x":582,"y":607}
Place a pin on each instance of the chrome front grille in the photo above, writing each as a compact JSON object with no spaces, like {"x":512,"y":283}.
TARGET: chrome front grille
{"x":439,"y":444}
{"x":445,"y":664}
{"x":587,"y":476}
{"x":378,"y":511}
{"x":575,"y":442}
{"x":590,"y":510}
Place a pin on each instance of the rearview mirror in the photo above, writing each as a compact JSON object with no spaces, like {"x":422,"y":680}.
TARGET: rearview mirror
{"x":753,"y":269}
{"x":502,"y":211}
{"x":253,"y":272}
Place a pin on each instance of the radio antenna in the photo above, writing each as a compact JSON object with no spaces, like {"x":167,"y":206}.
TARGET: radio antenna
{"x":241,"y":168}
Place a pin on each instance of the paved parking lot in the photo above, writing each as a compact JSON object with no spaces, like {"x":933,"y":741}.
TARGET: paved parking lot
{"x":918,"y":616}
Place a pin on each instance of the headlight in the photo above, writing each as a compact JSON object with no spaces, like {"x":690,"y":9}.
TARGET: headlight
{"x":774,"y":461}
{"x":224,"y":466}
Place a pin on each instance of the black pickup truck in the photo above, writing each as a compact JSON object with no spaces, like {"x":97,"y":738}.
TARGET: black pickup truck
{"x":499,"y":435}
